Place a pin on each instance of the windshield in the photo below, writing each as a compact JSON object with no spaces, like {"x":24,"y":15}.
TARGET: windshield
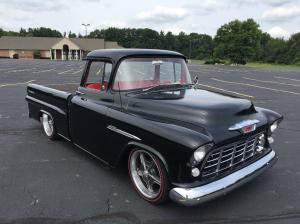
{"x":142,"y":73}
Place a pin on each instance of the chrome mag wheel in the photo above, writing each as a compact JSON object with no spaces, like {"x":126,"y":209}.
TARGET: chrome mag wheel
{"x":146,"y":174}
{"x":48,"y":124}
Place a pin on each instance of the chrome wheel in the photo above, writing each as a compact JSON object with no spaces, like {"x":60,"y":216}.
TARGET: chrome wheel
{"x":145,"y":173}
{"x":48,"y":124}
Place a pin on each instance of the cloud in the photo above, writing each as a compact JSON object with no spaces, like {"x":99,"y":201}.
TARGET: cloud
{"x":34,"y":5}
{"x":162,"y":14}
{"x":282,"y":13}
{"x":272,"y":3}
{"x":278,"y":32}
{"x":277,"y":2}
{"x":204,"y":7}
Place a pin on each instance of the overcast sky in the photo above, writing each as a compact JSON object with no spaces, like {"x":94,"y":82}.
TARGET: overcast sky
{"x":278,"y":17}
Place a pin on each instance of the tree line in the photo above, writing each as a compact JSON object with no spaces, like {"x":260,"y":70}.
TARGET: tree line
{"x":236,"y":42}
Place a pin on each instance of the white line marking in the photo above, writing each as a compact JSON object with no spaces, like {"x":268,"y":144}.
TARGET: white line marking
{"x":2,"y":69}
{"x":20,"y":70}
{"x":274,"y":82}
{"x":278,"y":77}
{"x":65,"y":71}
{"x":16,"y":84}
{"x":261,"y":87}
{"x":77,"y":72}
{"x":48,"y":70}
{"x":60,"y":84}
{"x":242,"y":94}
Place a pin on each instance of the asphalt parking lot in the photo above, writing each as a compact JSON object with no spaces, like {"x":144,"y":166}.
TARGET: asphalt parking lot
{"x":42,"y":181}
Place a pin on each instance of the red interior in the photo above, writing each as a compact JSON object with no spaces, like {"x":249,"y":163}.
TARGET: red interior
{"x":96,"y":85}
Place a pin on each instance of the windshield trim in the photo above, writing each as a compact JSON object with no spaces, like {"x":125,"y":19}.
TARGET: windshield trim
{"x":117,"y":65}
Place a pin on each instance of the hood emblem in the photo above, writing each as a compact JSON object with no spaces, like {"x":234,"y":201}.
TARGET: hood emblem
{"x":245,"y":126}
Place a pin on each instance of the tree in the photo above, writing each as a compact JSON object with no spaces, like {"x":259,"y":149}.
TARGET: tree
{"x":72,"y":35}
{"x":43,"y":32}
{"x":238,"y":41}
{"x":292,"y":55}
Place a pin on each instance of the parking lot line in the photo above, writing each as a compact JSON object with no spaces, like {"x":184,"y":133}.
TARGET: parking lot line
{"x":274,"y":82}
{"x":48,"y":70}
{"x":20,"y":70}
{"x":260,"y":87}
{"x":16,"y":84}
{"x":65,"y":71}
{"x":229,"y":91}
{"x":3,"y":69}
{"x":77,"y":72}
{"x":60,"y":84}
{"x":278,"y":77}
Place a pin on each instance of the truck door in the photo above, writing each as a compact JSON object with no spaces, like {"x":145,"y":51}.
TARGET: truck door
{"x":88,"y":109}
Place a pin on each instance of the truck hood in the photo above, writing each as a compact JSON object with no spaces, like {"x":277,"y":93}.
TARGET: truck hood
{"x":203,"y":111}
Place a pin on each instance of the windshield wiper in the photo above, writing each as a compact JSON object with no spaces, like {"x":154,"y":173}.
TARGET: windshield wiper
{"x":165,"y":86}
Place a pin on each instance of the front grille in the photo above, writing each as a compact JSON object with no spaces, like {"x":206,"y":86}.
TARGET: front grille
{"x":226,"y":159}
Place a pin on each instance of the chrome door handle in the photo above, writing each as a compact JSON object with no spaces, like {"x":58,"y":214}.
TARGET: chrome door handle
{"x":78,"y":93}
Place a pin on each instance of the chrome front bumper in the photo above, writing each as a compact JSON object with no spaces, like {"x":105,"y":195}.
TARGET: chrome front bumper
{"x":197,"y":195}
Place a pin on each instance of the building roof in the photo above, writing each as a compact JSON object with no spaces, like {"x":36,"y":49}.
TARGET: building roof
{"x":117,"y":54}
{"x":27,"y":43}
{"x":46,"y":43}
{"x":88,"y":44}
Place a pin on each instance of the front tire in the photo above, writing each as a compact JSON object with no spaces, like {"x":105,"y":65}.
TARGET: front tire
{"x":148,"y":176}
{"x":49,"y":126}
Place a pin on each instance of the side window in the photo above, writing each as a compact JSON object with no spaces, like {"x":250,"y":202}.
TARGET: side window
{"x":98,"y":75}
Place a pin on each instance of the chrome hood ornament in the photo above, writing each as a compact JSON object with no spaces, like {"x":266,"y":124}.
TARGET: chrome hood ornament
{"x":245,"y":126}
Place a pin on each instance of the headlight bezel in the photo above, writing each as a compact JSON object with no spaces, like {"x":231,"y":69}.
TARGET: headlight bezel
{"x":203,"y":149}
{"x":273,"y":126}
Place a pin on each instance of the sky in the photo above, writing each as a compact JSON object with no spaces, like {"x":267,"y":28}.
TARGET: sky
{"x":280,"y":18}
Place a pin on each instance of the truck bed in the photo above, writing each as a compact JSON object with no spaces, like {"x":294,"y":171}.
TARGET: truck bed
{"x":51,"y":99}
{"x":69,"y":87}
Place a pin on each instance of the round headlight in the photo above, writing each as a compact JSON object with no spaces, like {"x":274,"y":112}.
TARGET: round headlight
{"x":200,"y":153}
{"x":274,"y":126}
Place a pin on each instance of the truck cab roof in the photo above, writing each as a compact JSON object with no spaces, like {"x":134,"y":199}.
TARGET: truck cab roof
{"x":117,"y":54}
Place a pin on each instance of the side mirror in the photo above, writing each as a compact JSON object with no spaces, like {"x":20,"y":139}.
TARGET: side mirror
{"x":195,"y":80}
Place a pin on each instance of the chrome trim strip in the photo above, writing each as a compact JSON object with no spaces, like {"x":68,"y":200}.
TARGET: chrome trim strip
{"x":113,"y":128}
{"x":64,"y":137}
{"x":197,"y":195}
{"x":243,"y":124}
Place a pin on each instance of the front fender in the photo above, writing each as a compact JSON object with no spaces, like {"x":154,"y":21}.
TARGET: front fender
{"x":270,"y":114}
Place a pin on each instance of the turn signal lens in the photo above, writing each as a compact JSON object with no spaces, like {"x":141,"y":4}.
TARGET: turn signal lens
{"x":195,"y":172}
{"x":270,"y":140}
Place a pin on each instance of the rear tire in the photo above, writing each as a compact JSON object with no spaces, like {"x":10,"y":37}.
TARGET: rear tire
{"x":148,"y":176}
{"x":49,"y":126}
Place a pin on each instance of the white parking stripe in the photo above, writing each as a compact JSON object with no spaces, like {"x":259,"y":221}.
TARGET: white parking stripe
{"x":213,"y":87}
{"x":16,"y":84}
{"x":60,"y":84}
{"x":278,"y":77}
{"x":274,"y":82}
{"x":2,"y":69}
{"x":48,"y":70}
{"x":261,"y":87}
{"x":77,"y":72}
{"x":65,"y":71}
{"x":20,"y":70}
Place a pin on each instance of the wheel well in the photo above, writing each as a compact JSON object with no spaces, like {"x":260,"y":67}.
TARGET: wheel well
{"x":125,"y":153}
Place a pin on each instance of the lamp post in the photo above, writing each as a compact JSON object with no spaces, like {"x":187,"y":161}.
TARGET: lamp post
{"x":85,"y":26}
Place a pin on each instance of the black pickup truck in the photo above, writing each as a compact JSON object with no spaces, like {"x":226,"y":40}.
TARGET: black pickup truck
{"x":180,"y":141}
